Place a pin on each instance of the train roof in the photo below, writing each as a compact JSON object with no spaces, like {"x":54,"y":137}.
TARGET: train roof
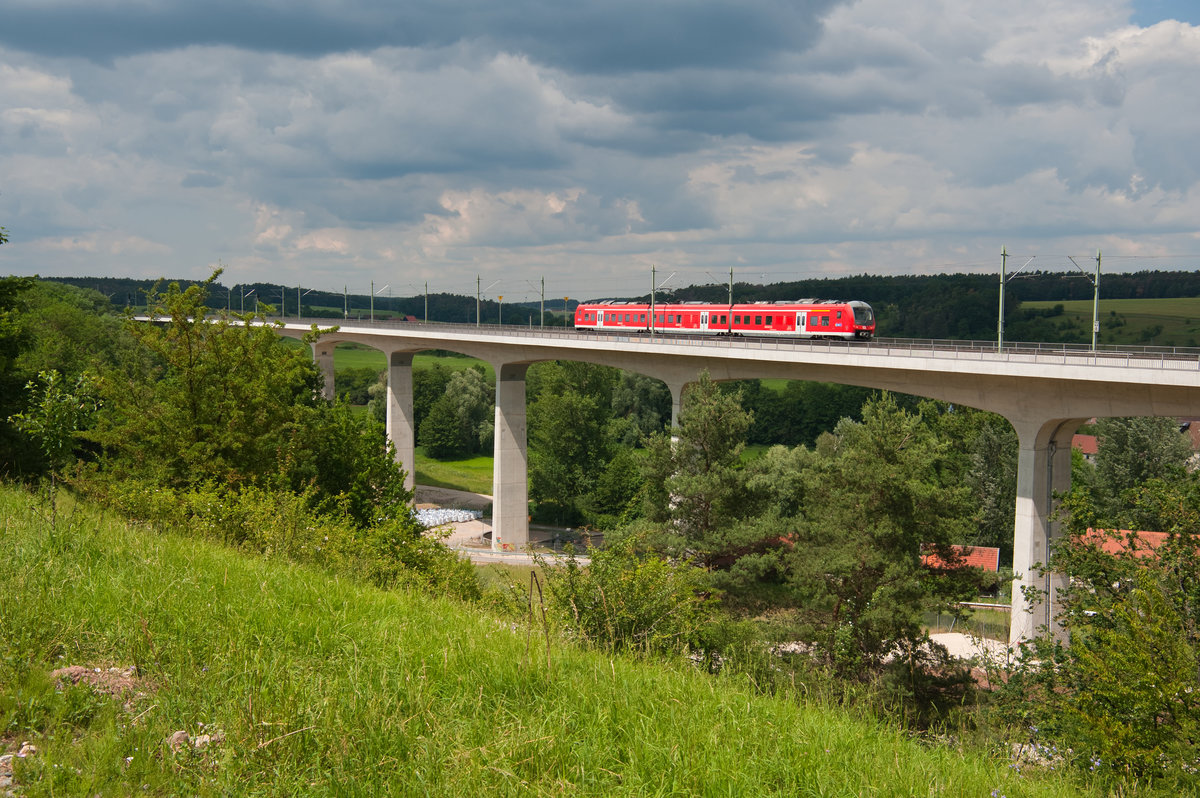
{"x":764,"y":302}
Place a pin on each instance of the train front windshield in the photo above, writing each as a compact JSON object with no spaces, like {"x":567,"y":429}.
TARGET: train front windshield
{"x":863,"y":314}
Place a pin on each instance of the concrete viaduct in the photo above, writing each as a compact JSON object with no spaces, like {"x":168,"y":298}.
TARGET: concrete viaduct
{"x":1045,"y":392}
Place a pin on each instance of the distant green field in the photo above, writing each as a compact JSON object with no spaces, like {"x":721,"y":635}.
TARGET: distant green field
{"x":352,"y":355}
{"x":1154,"y":322}
{"x":472,"y":474}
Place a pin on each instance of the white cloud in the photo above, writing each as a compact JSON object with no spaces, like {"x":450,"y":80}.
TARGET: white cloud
{"x":888,"y":138}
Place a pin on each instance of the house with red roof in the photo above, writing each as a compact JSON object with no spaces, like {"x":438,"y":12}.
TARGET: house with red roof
{"x":1126,"y":541}
{"x":1087,"y":444}
{"x":984,"y":557}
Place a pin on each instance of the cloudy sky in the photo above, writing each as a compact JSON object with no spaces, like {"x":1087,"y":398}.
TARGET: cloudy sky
{"x":331,"y":144}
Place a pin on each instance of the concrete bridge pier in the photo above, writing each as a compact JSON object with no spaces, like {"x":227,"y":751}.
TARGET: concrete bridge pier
{"x":676,"y":386}
{"x":400,"y":423}
{"x":1043,"y":469}
{"x":323,"y":355}
{"x":510,"y":477}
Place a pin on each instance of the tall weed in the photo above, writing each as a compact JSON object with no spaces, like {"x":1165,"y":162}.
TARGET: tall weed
{"x":285,"y":525}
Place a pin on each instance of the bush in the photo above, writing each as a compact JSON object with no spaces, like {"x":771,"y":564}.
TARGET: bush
{"x":624,"y":601}
{"x":395,"y":551}
{"x":1121,"y":697}
{"x":399,"y":552}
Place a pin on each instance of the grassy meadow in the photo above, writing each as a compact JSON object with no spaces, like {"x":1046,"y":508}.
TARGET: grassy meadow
{"x":311,"y":685}
{"x":354,"y":355}
{"x":1150,"y":322}
{"x":472,"y":474}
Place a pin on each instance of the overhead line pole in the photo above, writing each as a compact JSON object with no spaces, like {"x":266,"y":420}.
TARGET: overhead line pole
{"x":1004,"y":278}
{"x":1000,"y":323}
{"x":653,"y":289}
{"x":1095,"y":296}
{"x":652,"y":279}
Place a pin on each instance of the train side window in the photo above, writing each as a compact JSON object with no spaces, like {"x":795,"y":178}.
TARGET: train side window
{"x":839,"y":314}
{"x":769,"y":321}
{"x":825,"y":321}
{"x":670,"y":318}
{"x":758,"y":321}
{"x":737,"y":319}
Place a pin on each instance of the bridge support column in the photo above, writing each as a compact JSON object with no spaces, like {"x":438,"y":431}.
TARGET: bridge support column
{"x":510,"y":480}
{"x":323,"y":355}
{"x":400,"y":429}
{"x":1043,"y":469}
{"x":676,"y":386}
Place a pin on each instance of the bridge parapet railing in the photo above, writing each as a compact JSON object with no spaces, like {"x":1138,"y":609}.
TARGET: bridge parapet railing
{"x":1175,"y":358}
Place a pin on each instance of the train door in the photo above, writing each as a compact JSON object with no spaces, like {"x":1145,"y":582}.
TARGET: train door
{"x":704,"y":321}
{"x":802,"y":322}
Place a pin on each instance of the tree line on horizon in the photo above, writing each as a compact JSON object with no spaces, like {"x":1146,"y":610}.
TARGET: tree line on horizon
{"x":951,"y":306}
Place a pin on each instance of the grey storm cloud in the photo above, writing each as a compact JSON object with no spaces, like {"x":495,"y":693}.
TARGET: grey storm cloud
{"x":613,"y":36}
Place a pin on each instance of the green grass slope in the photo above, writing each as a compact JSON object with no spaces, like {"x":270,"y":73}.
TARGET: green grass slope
{"x":472,"y":474}
{"x":327,"y":687}
{"x":355,"y":355}
{"x":1151,"y":322}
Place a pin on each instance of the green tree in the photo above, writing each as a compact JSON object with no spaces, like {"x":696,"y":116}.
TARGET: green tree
{"x":983,"y":455}
{"x":1131,"y":452}
{"x":641,"y":406}
{"x":475,"y":406}
{"x":1122,"y":696}
{"x":460,"y":420}
{"x":214,"y":400}
{"x":696,"y":483}
{"x":441,"y":433}
{"x":349,"y":462}
{"x":58,"y":412}
{"x":993,"y":481}
{"x":353,"y":384}
{"x":429,"y":385}
{"x":877,"y":496}
{"x":18,"y":453}
{"x":71,"y":330}
{"x":568,"y":448}
{"x":615,"y":501}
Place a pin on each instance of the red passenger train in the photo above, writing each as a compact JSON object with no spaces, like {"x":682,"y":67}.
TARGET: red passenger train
{"x":806,"y":318}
